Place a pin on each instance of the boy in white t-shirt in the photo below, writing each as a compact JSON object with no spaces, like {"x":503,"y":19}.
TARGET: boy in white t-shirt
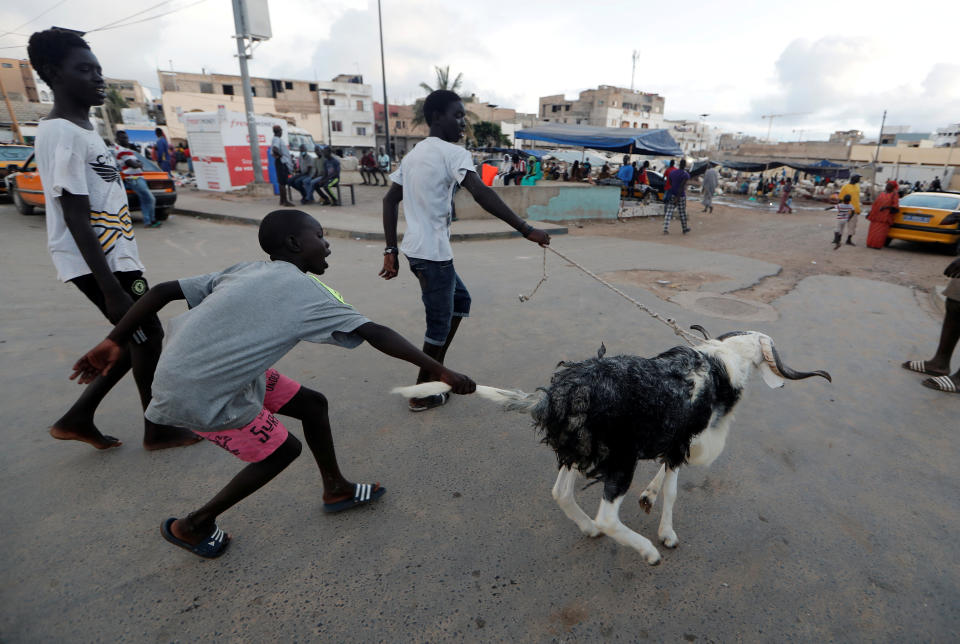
{"x":425,"y":183}
{"x":89,"y":231}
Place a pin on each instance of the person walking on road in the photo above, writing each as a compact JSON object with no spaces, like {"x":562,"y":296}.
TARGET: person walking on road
{"x":676,"y":198}
{"x":711,"y":179}
{"x":424,"y":182}
{"x":939,"y":365}
{"x":89,"y":232}
{"x":164,"y":153}
{"x":852,"y":188}
{"x":886,"y":205}
{"x":131,"y":170}
{"x":785,"y":199}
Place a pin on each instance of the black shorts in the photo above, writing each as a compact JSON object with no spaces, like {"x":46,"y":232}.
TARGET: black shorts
{"x":283,"y":175}
{"x":135,"y":285}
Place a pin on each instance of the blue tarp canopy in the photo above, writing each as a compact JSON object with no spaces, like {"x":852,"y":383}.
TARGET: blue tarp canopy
{"x":615,"y":139}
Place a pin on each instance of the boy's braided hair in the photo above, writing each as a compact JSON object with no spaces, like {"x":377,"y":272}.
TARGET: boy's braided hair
{"x":50,"y":47}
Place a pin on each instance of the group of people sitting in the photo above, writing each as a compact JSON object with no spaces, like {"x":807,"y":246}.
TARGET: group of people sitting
{"x":317,"y":174}
{"x":373,"y":168}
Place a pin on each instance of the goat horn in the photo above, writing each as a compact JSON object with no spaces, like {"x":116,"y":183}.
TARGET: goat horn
{"x":697,"y":327}
{"x":776,"y":365}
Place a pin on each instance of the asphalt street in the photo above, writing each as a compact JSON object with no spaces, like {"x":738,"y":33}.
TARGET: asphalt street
{"x":832,"y":515}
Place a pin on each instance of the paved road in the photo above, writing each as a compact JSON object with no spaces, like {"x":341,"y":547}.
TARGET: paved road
{"x":832,"y":516}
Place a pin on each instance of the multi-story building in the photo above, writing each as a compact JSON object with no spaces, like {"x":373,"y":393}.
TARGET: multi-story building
{"x":130,"y":90}
{"x":338,"y":111}
{"x":18,"y":80}
{"x":691,"y":136}
{"x":606,"y":106}
{"x":848,"y":137}
{"x":948,"y":136}
{"x":403,"y":133}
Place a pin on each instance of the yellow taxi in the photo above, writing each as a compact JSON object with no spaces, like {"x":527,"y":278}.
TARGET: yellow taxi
{"x":26,"y":189}
{"x":928,"y":217}
{"x":12,"y":159}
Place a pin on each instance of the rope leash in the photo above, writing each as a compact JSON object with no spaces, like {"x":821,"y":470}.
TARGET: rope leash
{"x":688,"y":337}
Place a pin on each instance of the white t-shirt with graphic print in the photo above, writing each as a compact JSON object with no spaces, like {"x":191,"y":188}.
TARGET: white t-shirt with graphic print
{"x":428,"y":173}
{"x":74,"y":159}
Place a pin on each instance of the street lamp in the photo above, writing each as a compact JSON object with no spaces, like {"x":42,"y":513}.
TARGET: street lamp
{"x":328,"y":100}
{"x":700,"y":133}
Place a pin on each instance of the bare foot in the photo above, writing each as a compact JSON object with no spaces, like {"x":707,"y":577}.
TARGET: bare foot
{"x":166,"y":436}
{"x":85,"y":433}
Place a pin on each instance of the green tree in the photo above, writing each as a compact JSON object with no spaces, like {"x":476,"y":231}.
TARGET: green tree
{"x":443,"y":81}
{"x":487,"y":134}
{"x":114,"y":104}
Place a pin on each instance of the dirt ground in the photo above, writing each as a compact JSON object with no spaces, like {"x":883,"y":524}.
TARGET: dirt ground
{"x":800,"y":242}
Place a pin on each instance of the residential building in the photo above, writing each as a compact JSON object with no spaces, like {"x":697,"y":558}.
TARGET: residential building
{"x":948,"y":136}
{"x":341,"y":108}
{"x":403,"y":133}
{"x":18,"y":80}
{"x":606,"y":106}
{"x":130,"y":90}
{"x":692,"y":136}
{"x":847,"y":137}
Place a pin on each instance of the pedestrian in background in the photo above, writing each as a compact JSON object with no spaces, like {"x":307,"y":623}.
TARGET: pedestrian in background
{"x":711,"y":179}
{"x":282,"y":163}
{"x":852,"y":188}
{"x":163,"y":152}
{"x":785,"y":200}
{"x":131,"y":170}
{"x":881,"y":215}
{"x":676,"y":198}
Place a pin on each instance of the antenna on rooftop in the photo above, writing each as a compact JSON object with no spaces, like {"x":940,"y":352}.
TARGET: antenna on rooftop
{"x":633,"y":68}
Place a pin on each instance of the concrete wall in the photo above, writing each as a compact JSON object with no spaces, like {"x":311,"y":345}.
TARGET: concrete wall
{"x":548,"y":201}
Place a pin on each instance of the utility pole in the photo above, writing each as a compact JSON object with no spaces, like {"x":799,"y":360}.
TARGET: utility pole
{"x":242,"y":55}
{"x":383,"y":71}
{"x":327,"y":100}
{"x":876,"y":157}
{"x":633,"y":69}
{"x":13,"y":117}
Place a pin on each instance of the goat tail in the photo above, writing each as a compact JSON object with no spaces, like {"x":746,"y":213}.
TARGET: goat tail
{"x":509,"y":399}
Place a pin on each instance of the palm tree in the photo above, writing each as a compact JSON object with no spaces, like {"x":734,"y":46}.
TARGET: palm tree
{"x":443,"y":82}
{"x":114,"y":104}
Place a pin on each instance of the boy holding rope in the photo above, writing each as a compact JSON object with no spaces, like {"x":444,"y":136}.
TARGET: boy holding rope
{"x":425,"y":183}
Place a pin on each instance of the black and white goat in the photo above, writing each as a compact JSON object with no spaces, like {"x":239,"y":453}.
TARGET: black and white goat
{"x":603,"y":415}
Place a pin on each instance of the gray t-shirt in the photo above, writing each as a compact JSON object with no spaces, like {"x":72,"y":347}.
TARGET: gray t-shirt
{"x":241,"y":322}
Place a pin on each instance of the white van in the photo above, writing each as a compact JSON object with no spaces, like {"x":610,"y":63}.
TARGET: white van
{"x":297,"y":136}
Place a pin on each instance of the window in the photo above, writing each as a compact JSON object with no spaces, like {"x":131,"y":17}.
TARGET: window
{"x":7,"y":66}
{"x":644,"y":126}
{"x":287,"y":85}
{"x":253,"y":90}
{"x":206,"y":88}
{"x":313,"y":87}
{"x":228,"y":90}
{"x":359,"y":106}
{"x":361,"y":131}
{"x":601,"y":102}
{"x":329,"y":101}
{"x":566,"y":108}
{"x":555,"y":108}
{"x":379,"y":129}
{"x":336,"y":126}
{"x":634,"y":125}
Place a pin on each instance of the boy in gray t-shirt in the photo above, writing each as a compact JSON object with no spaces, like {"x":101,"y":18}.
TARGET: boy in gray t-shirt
{"x":227,"y":391}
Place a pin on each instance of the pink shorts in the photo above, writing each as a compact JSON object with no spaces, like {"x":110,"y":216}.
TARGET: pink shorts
{"x":259,"y":439}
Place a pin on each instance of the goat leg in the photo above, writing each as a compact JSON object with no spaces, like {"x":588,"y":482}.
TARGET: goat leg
{"x":666,"y":534}
{"x":649,"y":496}
{"x":563,"y":495}
{"x":608,"y":520}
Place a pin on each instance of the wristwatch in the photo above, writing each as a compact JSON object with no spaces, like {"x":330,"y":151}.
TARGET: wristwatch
{"x":391,"y":250}
{"x":527,"y":229}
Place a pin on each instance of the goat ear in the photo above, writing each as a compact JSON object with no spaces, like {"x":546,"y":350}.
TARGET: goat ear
{"x":773,"y":380}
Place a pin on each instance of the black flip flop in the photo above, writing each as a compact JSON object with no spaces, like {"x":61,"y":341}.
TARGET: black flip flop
{"x":210,"y":548}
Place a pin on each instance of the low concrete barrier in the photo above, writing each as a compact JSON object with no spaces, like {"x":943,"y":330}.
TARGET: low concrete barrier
{"x":548,"y":201}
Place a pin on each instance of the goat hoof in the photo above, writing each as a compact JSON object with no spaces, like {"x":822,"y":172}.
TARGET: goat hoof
{"x":652,"y":558}
{"x":670,"y":540}
{"x":591,"y":531}
{"x":646,"y":503}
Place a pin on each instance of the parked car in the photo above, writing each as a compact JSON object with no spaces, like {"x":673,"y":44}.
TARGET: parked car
{"x":26,"y":188}
{"x":12,"y":158}
{"x":928,"y":217}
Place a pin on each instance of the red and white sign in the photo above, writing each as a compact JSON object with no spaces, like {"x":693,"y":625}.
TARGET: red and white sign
{"x":220,"y":146}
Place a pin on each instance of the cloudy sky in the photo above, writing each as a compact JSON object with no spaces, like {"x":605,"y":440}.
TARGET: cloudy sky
{"x":838,"y":68}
